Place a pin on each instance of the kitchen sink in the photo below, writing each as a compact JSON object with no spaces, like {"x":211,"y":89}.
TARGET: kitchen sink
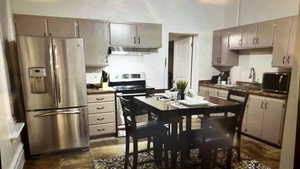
{"x":241,"y":87}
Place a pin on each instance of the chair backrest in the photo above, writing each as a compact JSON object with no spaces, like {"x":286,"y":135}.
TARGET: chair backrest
{"x":129,"y":112}
{"x":224,"y":124}
{"x":241,"y":97}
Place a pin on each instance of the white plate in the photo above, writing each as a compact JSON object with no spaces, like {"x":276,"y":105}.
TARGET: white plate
{"x":193,"y":102}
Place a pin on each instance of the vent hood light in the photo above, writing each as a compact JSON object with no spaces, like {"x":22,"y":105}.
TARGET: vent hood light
{"x":131,"y":51}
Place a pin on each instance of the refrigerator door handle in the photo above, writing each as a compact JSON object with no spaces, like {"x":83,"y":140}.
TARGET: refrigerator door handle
{"x":57,"y":80}
{"x":53,"y":72}
{"x":57,"y":113}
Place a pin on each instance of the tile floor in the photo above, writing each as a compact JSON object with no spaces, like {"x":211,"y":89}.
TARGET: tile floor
{"x":110,"y":147}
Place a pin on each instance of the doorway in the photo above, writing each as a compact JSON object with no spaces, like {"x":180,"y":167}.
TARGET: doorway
{"x":180,"y":58}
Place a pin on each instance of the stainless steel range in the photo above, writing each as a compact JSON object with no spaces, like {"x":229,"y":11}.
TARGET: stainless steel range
{"x":128,"y":85}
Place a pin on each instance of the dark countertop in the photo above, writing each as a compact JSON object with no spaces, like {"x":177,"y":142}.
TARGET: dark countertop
{"x":100,"y":91}
{"x":254,"y":92}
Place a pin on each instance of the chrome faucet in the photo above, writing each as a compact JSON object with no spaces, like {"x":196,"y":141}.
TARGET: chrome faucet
{"x":252,"y":74}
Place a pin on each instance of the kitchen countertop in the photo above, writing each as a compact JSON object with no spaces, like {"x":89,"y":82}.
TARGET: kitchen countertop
{"x":254,"y":92}
{"x":100,"y":91}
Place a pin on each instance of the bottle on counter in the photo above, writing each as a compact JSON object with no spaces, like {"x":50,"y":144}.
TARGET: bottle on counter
{"x":229,"y":80}
{"x":219,"y":80}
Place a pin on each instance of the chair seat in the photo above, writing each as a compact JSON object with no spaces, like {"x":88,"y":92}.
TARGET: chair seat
{"x":148,"y":129}
{"x":200,"y":137}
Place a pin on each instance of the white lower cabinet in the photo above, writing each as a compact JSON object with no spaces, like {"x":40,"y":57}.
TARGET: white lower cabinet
{"x":264,"y":118}
{"x":208,"y":91}
{"x":273,"y":120}
{"x":253,"y":118}
{"x":203,"y":91}
{"x":101,"y":114}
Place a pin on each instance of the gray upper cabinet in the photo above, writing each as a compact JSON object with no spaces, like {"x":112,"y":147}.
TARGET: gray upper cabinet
{"x":281,"y":42}
{"x":279,"y":34}
{"x":149,"y":35}
{"x":249,"y":36}
{"x":217,"y":45}
{"x":94,"y":34}
{"x":292,"y":41}
{"x":235,"y":38}
{"x":228,"y":57}
{"x":62,"y":27}
{"x":30,"y":25}
{"x":122,"y":34}
{"x":252,"y":36}
{"x":139,"y":35}
{"x":264,"y":35}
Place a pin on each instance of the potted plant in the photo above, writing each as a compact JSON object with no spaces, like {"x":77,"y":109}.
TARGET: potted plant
{"x":181,"y":86}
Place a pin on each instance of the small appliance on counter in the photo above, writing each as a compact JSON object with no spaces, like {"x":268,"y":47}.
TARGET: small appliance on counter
{"x":222,"y":78}
{"x":276,"y":82}
{"x":104,"y":79}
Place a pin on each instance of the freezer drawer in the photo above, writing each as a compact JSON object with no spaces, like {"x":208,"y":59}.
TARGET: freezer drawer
{"x":52,"y":131}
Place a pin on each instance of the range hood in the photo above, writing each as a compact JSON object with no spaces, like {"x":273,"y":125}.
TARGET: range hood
{"x":118,"y":50}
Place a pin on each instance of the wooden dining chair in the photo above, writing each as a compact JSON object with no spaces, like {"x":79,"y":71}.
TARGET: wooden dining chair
{"x":218,"y":134}
{"x":236,"y":96}
{"x":241,"y":97}
{"x":139,"y":131}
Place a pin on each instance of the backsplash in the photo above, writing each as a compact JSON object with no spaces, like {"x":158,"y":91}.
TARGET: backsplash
{"x":261,"y":62}
{"x":93,"y":78}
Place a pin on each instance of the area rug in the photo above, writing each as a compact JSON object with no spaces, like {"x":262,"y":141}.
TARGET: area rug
{"x":118,"y":162}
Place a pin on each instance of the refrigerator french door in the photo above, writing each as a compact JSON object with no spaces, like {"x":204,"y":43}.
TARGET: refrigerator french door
{"x":53,"y":81}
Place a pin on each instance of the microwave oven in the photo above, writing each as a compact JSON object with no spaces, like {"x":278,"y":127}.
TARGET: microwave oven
{"x":276,"y":82}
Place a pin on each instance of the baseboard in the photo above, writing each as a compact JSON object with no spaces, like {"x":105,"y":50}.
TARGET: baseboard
{"x":19,"y":159}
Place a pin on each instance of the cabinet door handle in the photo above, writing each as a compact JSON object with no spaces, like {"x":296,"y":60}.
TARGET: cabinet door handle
{"x":99,"y":99}
{"x":262,"y":105}
{"x":100,"y":108}
{"x":283,"y":60}
{"x":101,"y":130}
{"x":100,"y":119}
{"x":139,"y":39}
{"x":288,"y":60}
{"x":266,"y":105}
{"x":134,"y":40}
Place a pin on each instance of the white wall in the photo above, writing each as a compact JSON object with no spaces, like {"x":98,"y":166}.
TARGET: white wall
{"x":10,"y":149}
{"x":180,"y":16}
{"x":261,"y":63}
{"x":252,"y":11}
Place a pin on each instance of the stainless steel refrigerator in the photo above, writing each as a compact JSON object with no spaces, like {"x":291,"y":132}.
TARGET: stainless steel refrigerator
{"x":54,"y":90}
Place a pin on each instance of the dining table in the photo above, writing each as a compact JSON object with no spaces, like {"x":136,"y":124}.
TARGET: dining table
{"x":171,"y":111}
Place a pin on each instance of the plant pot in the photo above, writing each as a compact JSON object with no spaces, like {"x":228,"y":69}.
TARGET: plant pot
{"x":180,"y":95}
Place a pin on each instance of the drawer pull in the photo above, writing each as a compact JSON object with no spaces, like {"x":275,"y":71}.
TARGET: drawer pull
{"x":100,"y":108}
{"x":100,"y":119}
{"x":99,"y":99}
{"x":100,"y":129}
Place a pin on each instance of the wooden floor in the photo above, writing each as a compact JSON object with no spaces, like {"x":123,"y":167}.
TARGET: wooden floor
{"x":112,"y":147}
